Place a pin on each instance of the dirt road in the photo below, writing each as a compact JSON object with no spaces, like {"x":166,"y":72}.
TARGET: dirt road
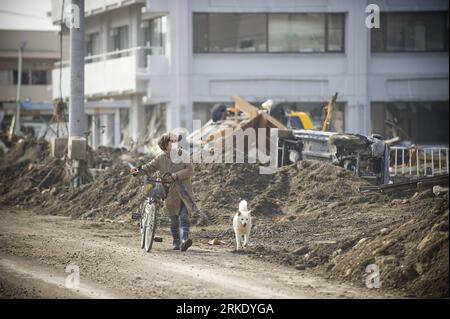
{"x":35,"y":249}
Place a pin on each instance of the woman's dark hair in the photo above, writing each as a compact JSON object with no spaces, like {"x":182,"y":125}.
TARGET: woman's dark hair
{"x":164,"y":140}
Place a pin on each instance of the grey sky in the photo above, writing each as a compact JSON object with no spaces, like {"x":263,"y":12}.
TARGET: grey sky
{"x":25,"y":15}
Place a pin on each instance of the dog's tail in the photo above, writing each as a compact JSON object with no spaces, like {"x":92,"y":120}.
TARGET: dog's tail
{"x":243,"y":206}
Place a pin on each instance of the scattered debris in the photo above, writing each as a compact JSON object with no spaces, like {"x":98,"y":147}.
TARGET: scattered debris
{"x":215,"y":241}
{"x":439,"y":190}
{"x":158,"y":239}
{"x":309,"y":214}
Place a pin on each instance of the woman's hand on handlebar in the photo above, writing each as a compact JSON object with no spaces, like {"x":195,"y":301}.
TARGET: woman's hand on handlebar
{"x":134,"y":171}
{"x":174,"y":176}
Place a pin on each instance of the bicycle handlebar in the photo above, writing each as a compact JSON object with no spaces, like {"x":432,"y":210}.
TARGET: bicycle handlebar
{"x":149,"y":177}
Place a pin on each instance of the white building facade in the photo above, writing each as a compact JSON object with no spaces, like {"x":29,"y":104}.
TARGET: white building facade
{"x":160,"y":64}
{"x":33,"y":32}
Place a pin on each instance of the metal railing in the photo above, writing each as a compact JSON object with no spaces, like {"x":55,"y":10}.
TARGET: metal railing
{"x":141,"y":52}
{"x":418,"y":161}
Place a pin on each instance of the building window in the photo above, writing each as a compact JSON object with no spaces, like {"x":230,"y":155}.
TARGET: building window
{"x":155,"y":119}
{"x":202,"y":112}
{"x":201,"y":33}
{"x":237,"y":32}
{"x":411,"y":32}
{"x":156,"y":34}
{"x":25,"y":80}
{"x":309,"y":32}
{"x":335,"y":36}
{"x":277,"y":32}
{"x":297,"y":33}
{"x":6,"y":77}
{"x":120,"y":39}
{"x":93,"y":44}
{"x":39,"y":77}
{"x":411,"y":121}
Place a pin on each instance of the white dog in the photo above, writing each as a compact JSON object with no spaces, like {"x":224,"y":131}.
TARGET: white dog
{"x":242,"y":224}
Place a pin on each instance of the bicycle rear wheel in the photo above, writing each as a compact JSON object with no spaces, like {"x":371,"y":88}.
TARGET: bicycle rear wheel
{"x":150,"y":226}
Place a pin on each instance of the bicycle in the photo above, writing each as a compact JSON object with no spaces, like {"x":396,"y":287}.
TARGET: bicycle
{"x":148,"y":212}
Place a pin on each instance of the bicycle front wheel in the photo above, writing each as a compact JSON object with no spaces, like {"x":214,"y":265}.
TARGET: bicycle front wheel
{"x":142,"y":223}
{"x":150,"y":226}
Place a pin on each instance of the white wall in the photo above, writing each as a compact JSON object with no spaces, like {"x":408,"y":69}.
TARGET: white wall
{"x":357,"y":75}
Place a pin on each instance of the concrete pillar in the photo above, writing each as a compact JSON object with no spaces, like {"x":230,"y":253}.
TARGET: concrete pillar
{"x":107,"y":128}
{"x":137,"y":118}
{"x":77,"y":118}
{"x":116,"y":127}
{"x":358,"y":54}
{"x":136,"y":33}
{"x":95,"y":131}
{"x":104,"y":33}
{"x":179,"y":112}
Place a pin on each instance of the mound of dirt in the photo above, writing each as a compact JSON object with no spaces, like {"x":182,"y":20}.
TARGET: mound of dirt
{"x":290,"y":190}
{"x":24,"y":150}
{"x":28,"y":176}
{"x":312,"y":215}
{"x":412,"y":256}
{"x":307,"y":215}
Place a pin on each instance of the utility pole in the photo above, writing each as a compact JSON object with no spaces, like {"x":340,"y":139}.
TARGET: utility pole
{"x":15,"y":124}
{"x":19,"y":83}
{"x":77,"y":118}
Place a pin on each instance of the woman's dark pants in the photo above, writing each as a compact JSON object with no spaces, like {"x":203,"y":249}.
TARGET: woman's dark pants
{"x":179,"y":225}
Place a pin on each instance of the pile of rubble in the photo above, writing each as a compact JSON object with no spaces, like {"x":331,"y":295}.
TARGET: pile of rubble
{"x":29,"y":176}
{"x":312,"y":215}
{"x":307,"y":215}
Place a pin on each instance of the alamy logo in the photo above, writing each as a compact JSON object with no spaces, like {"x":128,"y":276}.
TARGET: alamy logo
{"x":72,"y":16}
{"x":373,"y":278}
{"x":73,"y":279}
{"x":373,"y":19}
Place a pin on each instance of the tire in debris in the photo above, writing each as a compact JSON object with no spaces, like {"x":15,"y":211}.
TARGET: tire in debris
{"x":219,"y":112}
{"x":278,"y":111}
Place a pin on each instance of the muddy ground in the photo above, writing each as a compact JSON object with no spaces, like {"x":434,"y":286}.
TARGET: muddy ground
{"x":35,"y":250}
{"x":309,"y":217}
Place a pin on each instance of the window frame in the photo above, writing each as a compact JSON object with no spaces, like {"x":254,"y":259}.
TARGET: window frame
{"x":267,"y":51}
{"x":117,"y":38}
{"x":9,"y":77}
{"x":24,"y":71}
{"x":162,"y":36}
{"x":89,"y":43}
{"x":383,"y":25}
{"x":47,"y":80}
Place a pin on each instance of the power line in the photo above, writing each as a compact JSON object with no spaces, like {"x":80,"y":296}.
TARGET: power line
{"x":23,"y":14}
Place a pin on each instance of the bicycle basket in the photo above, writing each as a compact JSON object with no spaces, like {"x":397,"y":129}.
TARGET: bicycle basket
{"x":149,"y":189}
{"x":159,"y":191}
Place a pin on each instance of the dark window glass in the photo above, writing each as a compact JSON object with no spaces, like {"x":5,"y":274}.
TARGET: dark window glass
{"x":230,"y":32}
{"x":39,"y":77}
{"x":120,"y":38}
{"x":297,"y":32}
{"x":201,"y":33}
{"x":155,"y":35}
{"x":294,"y":122}
{"x":237,"y":32}
{"x":122,"y":41}
{"x":378,"y":36}
{"x":411,"y":32}
{"x":335,"y":32}
{"x":93,"y":44}
{"x":25,"y":77}
{"x":278,"y":32}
